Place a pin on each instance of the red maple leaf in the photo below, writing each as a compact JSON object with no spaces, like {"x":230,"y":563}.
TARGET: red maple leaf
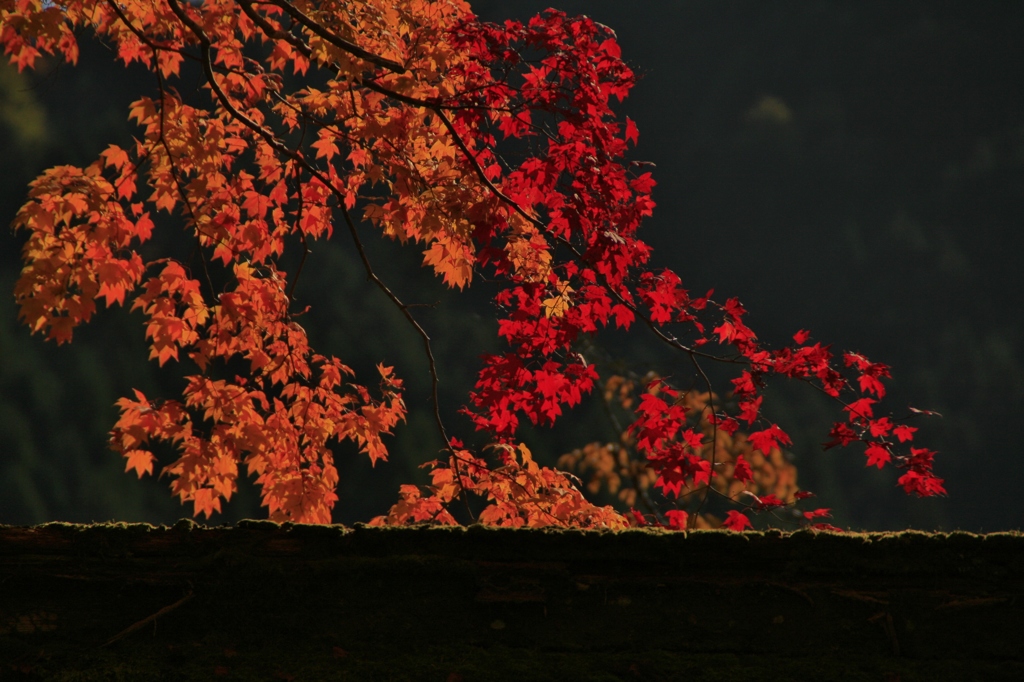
{"x":632,"y":134}
{"x":769,"y":439}
{"x":736,"y":521}
{"x":860,"y":410}
{"x":904,"y":433}
{"x":878,"y":455}
{"x":676,"y":519}
{"x":742,"y":472}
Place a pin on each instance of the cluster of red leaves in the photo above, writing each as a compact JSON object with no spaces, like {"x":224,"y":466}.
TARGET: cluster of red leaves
{"x":493,"y":147}
{"x":726,"y":466}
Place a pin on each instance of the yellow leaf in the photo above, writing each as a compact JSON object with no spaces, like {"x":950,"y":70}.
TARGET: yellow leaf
{"x":557,"y":305}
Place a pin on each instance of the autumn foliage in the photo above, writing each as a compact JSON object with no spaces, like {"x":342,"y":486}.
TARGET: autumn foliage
{"x":492,"y":148}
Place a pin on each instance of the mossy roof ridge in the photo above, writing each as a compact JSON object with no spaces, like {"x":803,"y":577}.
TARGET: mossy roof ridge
{"x":325,"y":530}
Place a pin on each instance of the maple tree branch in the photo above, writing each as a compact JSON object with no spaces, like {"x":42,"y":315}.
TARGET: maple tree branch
{"x":222,"y":97}
{"x":671,"y":340}
{"x":337,"y":40}
{"x":278,"y":34}
{"x":372,"y":275}
{"x":438,"y":110}
{"x":135,"y":166}
{"x":432,"y":104}
{"x":482,"y":176}
{"x":298,"y":221}
{"x":654,"y":327}
{"x":177,"y":181}
{"x":633,"y":475}
{"x":149,"y":42}
{"x":274,"y":33}
{"x":714,"y":433}
{"x":298,"y":272}
{"x":298,"y":158}
{"x":369,"y":83}
{"x":209,"y":70}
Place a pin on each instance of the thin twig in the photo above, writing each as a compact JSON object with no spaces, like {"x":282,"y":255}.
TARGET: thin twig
{"x":148,"y":619}
{"x":428,"y":351}
{"x":177,"y":183}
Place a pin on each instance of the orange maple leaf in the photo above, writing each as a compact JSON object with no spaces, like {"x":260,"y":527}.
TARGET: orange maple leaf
{"x":139,"y":460}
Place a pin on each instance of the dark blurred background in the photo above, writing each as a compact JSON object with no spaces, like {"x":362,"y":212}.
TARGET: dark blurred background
{"x":852,"y":168}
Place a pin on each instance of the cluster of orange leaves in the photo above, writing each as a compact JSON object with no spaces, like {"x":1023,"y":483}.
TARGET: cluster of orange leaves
{"x":518,"y":493}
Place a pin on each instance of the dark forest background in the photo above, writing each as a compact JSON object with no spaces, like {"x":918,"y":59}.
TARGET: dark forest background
{"x":852,"y":168}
